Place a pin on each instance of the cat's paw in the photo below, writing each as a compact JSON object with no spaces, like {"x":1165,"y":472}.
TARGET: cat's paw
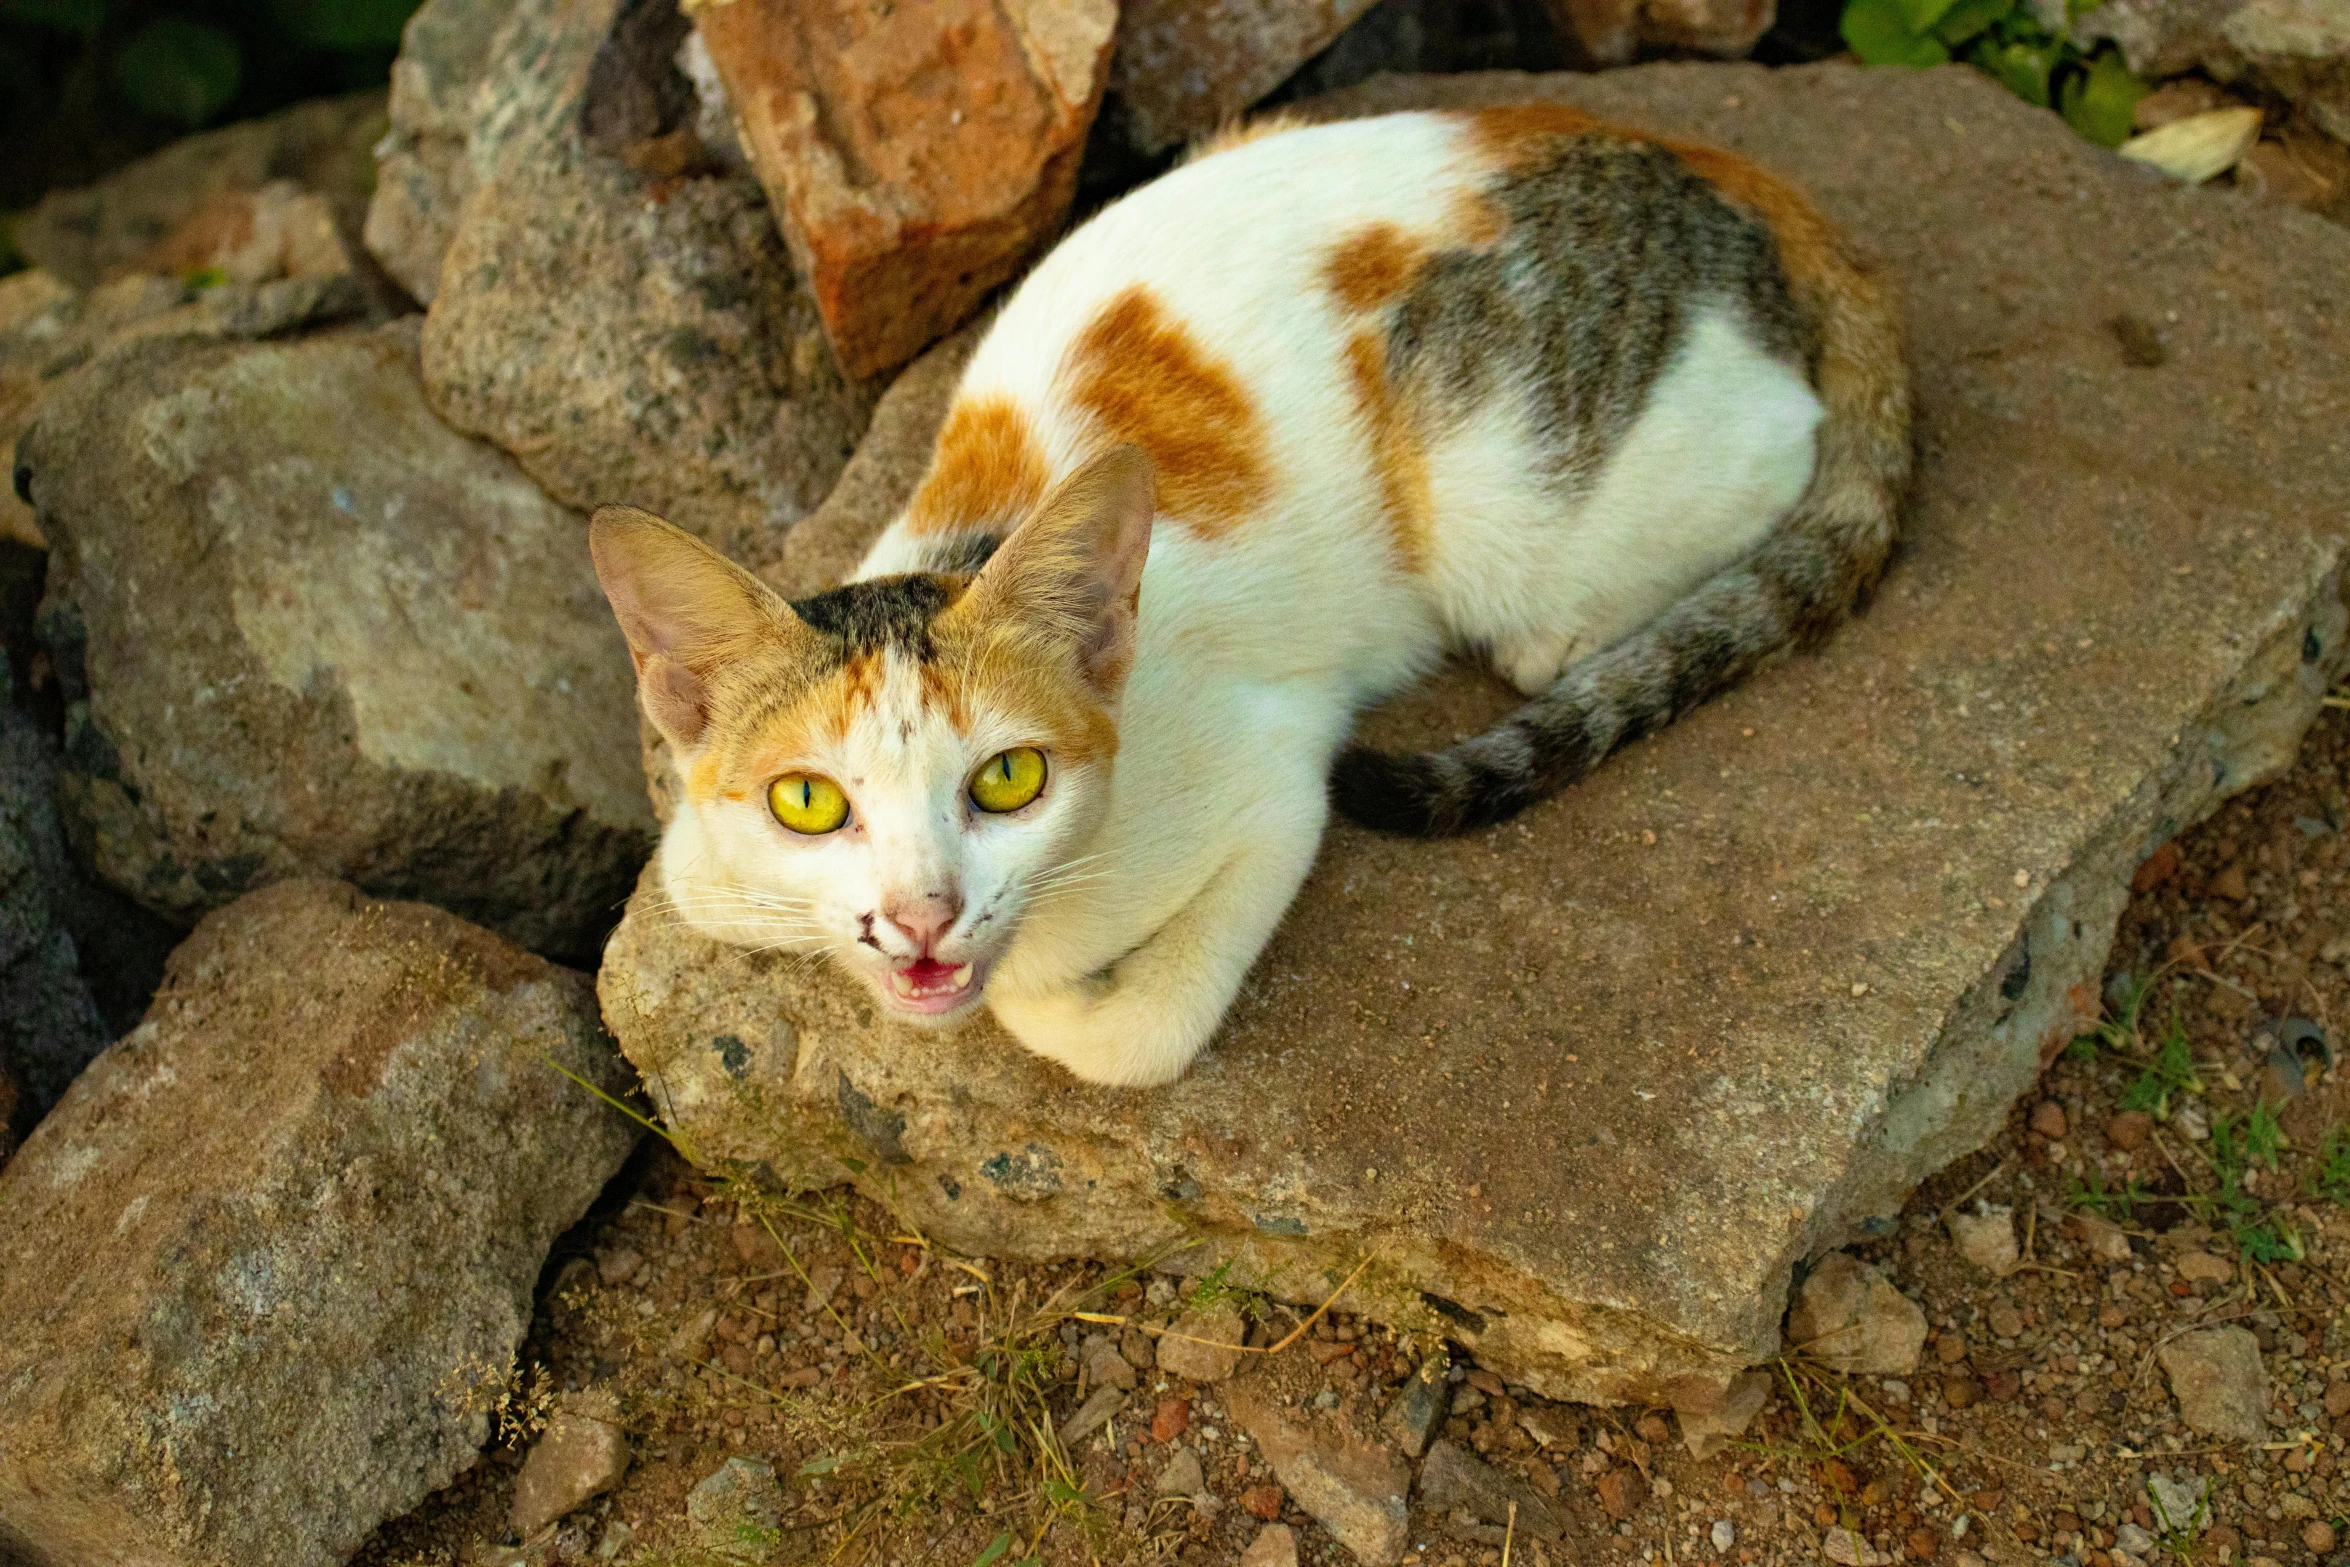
{"x":1534,"y":664}
{"x":1098,"y":1033}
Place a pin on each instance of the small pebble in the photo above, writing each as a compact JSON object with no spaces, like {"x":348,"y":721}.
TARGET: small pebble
{"x":1725,"y":1534}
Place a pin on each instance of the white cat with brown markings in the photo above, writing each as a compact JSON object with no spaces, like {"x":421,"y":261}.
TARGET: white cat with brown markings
{"x":1250,"y":450}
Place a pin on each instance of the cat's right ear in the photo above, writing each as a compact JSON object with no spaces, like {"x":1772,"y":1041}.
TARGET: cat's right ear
{"x":685,"y":609}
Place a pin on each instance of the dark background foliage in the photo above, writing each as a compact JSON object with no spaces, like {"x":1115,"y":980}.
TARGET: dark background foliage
{"x":86,"y":85}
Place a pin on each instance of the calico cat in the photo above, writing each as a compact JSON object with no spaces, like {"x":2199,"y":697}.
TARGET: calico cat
{"x":1251,"y":449}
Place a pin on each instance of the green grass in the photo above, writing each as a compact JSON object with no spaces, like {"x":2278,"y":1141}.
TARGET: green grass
{"x":2329,"y":1173}
{"x":2118,"y":1203}
{"x":2169,"y":1074}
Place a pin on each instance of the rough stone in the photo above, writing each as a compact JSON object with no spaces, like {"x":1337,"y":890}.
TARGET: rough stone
{"x":2301,"y":48}
{"x":918,"y":154}
{"x":1850,"y":1318}
{"x":1987,"y":1239}
{"x":582,"y":1454}
{"x":628,"y":335}
{"x":1707,"y":1432}
{"x":1105,"y":1367}
{"x":99,"y":231}
{"x":1274,"y":1546}
{"x":1611,"y":32}
{"x":305,"y":629}
{"x":77,"y":960}
{"x":2201,"y":1267}
{"x":2222,"y":1389}
{"x":424,"y":166}
{"x":2105,"y":1239}
{"x":1680,"y":935}
{"x":2179,"y":1505}
{"x":48,"y":333}
{"x":1099,"y":1406}
{"x":1185,"y":67}
{"x":1453,"y":1479}
{"x":737,"y":1509}
{"x":1354,"y":1489}
{"x":1204,"y":1346}
{"x":1182,"y":1475}
{"x":1418,"y":1407}
{"x":298,"y":1212}
{"x":1622,"y":1491}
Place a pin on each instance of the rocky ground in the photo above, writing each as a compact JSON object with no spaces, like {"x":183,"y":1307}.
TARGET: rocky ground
{"x":2097,"y":1308}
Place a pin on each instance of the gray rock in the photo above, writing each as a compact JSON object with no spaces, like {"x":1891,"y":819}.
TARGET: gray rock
{"x":308,"y":630}
{"x":738,"y":1510}
{"x":1182,"y":1475}
{"x":2179,"y":1505}
{"x":1418,"y":1406}
{"x":1706,"y":1432}
{"x":87,"y":235}
{"x":1092,"y":1415}
{"x":41,"y":346}
{"x":266,"y":1262}
{"x":582,"y":1454}
{"x":1183,"y":68}
{"x":1204,"y":1346}
{"x":77,"y":959}
{"x":1453,"y":1479}
{"x":2301,"y":48}
{"x":1105,"y":1367}
{"x":2217,"y":1377}
{"x":1987,"y":1239}
{"x":1850,"y":1318}
{"x":424,"y":167}
{"x":1736,"y":1108}
{"x":1354,"y":1489}
{"x":629,"y":337}
{"x":1274,"y":1546}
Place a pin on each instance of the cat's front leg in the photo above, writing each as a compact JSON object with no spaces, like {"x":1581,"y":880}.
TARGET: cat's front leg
{"x":1139,"y":1023}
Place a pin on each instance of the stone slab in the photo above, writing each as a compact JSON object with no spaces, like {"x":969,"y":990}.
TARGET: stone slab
{"x":1585,"y":1088}
{"x":266,"y":1264}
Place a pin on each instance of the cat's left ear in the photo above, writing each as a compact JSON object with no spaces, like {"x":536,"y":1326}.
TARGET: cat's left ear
{"x":1073,"y":570}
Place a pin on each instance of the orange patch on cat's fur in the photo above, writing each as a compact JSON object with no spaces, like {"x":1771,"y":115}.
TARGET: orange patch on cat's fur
{"x":1372,"y":265}
{"x":1397,"y":455}
{"x":1136,"y":369}
{"x":1507,"y":136}
{"x":988,"y":470}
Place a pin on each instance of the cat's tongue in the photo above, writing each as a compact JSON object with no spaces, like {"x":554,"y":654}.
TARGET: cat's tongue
{"x":929,"y":981}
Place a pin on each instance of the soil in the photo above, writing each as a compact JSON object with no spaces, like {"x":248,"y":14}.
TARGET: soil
{"x":790,"y":1332}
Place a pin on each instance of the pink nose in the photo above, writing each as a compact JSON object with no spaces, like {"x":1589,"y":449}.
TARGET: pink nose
{"x":923,"y":920}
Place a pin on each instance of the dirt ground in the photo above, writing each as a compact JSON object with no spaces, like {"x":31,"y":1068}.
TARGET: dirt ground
{"x":901,"y":1394}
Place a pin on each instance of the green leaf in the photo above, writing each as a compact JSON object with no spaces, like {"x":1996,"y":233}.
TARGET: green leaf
{"x":820,"y":1466}
{"x":175,"y":69}
{"x":64,"y":16}
{"x":1921,"y":15}
{"x":1879,"y":32}
{"x":2100,"y":102}
{"x":995,"y":1549}
{"x":2021,"y":68}
{"x":1970,"y":18}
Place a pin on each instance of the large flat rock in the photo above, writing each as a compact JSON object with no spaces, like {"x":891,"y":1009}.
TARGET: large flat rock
{"x":265,"y":1264}
{"x":1587,"y":1087}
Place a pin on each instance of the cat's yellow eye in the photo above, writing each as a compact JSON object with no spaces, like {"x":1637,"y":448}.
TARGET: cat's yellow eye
{"x":1009,"y":780}
{"x":807,"y":804}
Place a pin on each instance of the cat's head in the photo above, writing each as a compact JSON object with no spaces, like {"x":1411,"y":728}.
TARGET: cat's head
{"x":897,"y":770}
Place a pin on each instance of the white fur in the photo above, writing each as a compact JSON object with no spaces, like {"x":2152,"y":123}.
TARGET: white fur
{"x":1255,"y":650}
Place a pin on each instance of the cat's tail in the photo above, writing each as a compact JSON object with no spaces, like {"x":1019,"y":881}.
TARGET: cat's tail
{"x":1789,"y":591}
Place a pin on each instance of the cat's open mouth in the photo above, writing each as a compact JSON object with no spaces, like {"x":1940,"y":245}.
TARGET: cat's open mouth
{"x":931,"y":987}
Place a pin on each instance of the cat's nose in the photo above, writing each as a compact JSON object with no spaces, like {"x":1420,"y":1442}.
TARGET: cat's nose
{"x":924,"y":918}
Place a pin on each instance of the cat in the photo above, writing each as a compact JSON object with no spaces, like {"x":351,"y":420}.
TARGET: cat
{"x":1250,"y":449}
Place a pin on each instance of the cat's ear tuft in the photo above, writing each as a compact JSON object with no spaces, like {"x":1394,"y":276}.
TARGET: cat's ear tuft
{"x":1073,"y":570}
{"x":685,"y":609}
